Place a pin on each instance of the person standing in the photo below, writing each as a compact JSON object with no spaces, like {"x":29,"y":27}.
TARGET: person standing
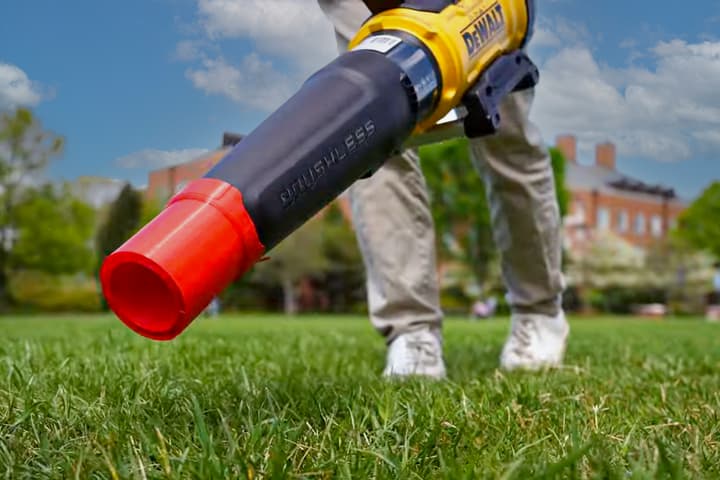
{"x":395,"y":231}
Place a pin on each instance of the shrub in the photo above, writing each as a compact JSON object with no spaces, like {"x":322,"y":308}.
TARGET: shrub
{"x":36,"y":291}
{"x":623,"y":300}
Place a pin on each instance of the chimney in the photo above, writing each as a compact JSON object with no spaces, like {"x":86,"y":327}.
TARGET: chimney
{"x":567,"y":144}
{"x":605,"y":155}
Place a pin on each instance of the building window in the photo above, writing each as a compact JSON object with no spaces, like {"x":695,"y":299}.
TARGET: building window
{"x":603,"y":220}
{"x":656,"y":226}
{"x":579,"y":211}
{"x":623,"y":223}
{"x":640,"y":224}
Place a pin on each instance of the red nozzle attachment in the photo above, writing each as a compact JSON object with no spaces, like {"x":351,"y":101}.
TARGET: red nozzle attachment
{"x":167,"y":274}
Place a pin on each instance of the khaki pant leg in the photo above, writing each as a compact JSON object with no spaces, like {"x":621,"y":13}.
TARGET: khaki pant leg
{"x":393,"y":222}
{"x":517,"y":170}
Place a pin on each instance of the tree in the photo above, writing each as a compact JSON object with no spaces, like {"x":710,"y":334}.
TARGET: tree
{"x":123,"y":220}
{"x":699,"y":225}
{"x":612,"y":276}
{"x":53,"y":233}
{"x":339,"y":242}
{"x":344,"y":278}
{"x":334,"y":270}
{"x":685,"y":272}
{"x":610,"y":261}
{"x":299,"y":255}
{"x":150,"y":209}
{"x":459,"y":207}
{"x":559,"y":166}
{"x":25,"y":151}
{"x":615,"y":276}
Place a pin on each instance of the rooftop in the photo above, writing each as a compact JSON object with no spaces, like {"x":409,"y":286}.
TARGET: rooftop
{"x":603,"y":176}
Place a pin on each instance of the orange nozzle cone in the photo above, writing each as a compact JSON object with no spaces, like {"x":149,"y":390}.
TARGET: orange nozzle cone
{"x":161,"y":279}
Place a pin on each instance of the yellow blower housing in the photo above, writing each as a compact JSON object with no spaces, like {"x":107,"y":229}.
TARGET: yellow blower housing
{"x":464,"y":37}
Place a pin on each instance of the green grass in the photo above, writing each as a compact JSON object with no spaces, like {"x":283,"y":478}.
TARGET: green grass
{"x":272,"y":398}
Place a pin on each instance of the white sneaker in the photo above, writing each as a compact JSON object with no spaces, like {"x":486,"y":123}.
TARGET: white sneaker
{"x":535,"y":342}
{"x":415,"y":353}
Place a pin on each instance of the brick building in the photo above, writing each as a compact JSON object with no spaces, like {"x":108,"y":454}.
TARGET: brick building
{"x":165,"y":182}
{"x":604,"y":199}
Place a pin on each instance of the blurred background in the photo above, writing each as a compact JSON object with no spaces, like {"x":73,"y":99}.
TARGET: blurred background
{"x":106,"y":115}
{"x":631,"y":247}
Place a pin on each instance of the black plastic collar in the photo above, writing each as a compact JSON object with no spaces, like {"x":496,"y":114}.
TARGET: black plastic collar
{"x":531,"y":13}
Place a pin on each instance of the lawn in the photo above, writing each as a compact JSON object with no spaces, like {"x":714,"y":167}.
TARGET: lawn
{"x":265,"y":397}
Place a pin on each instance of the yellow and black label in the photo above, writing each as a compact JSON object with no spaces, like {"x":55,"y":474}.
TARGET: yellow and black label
{"x":484,"y":28}
{"x":465,"y":38}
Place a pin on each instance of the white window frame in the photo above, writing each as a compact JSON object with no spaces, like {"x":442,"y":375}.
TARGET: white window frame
{"x":623,"y":224}
{"x":604,"y":219}
{"x":640,"y":224}
{"x":656,"y":226}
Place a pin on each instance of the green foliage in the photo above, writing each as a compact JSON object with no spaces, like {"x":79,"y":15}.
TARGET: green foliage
{"x":684,"y":273}
{"x":610,"y":261}
{"x":150,"y":209}
{"x":299,"y":255}
{"x":53,"y":232}
{"x":700,"y":224}
{"x":459,"y":206}
{"x":621,"y":300}
{"x":122,"y":221}
{"x":331,"y":259}
{"x":559,"y":167}
{"x":620,"y":276}
{"x":40,"y":291}
{"x":260,"y":397}
{"x":454,"y":300}
{"x":343,"y":281}
{"x":25,"y":150}
{"x":338,"y":241}
{"x":29,"y":146}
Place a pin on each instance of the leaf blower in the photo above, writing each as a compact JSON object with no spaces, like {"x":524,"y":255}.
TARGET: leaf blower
{"x":414,"y":73}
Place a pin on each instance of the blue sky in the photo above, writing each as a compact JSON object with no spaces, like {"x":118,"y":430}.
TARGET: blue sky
{"x":139,"y":84}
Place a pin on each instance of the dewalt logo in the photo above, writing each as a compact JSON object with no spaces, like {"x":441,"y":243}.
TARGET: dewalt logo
{"x":486,"y":26}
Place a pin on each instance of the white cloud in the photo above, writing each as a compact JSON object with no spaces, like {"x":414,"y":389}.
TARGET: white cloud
{"x":149,"y":159}
{"x":668,"y":112}
{"x":290,"y":39}
{"x":558,"y":32}
{"x":710,"y":137}
{"x":16,"y":89}
{"x":292,"y":29}
{"x":97,"y":191}
{"x":545,"y":37}
{"x":254,"y":83}
{"x":188,"y":50}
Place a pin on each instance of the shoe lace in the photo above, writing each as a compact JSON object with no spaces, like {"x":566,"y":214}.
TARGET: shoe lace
{"x":522,"y":333}
{"x":421,"y":352}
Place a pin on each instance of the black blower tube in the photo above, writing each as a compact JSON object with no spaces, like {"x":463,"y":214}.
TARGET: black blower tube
{"x":342,"y":125}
